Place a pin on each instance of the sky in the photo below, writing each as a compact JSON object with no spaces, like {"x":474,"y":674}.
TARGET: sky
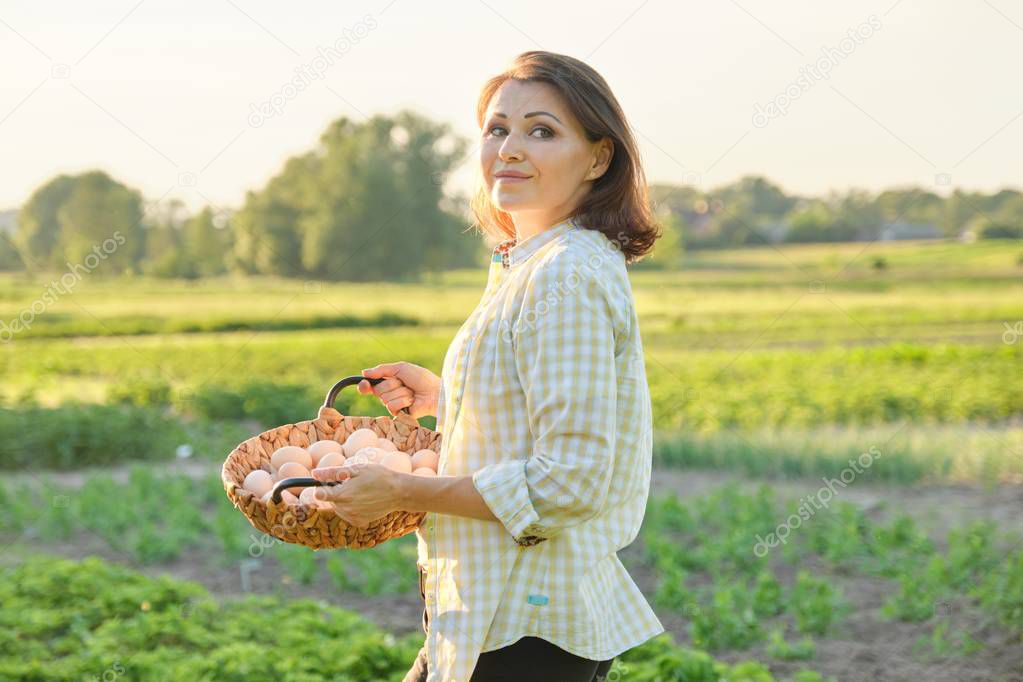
{"x":170,"y":97}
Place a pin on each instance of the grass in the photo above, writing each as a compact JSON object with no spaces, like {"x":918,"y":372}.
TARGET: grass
{"x":722,"y":292}
{"x":697,"y":390}
{"x":907,"y":453}
{"x":74,"y":436}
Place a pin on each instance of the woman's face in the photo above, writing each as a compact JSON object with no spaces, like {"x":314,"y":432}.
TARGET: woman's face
{"x":528,"y":130}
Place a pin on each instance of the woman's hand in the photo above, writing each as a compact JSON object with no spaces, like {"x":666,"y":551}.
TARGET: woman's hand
{"x":404,"y":385}
{"x":369,"y":491}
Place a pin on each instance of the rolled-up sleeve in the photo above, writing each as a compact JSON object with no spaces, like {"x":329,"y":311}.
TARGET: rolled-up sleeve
{"x":564,"y":348}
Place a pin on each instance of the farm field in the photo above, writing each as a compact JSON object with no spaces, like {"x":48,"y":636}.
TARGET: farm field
{"x":771,"y":371}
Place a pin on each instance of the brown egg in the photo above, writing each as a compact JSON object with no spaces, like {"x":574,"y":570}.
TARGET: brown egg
{"x":368,"y":454}
{"x":258,"y":482}
{"x":290,"y":453}
{"x":359,"y":438}
{"x":331,"y":459}
{"x":292,"y":470}
{"x":424,"y":471}
{"x":398,"y":461}
{"x":322,"y":447}
{"x":425,"y":458}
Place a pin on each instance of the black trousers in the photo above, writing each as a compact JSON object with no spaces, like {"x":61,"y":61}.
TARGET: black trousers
{"x":530,"y":658}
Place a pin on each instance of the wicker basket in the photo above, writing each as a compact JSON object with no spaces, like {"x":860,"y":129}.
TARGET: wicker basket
{"x":307,"y":525}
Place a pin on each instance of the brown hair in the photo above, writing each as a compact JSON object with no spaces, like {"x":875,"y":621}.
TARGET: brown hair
{"x":617,"y":204}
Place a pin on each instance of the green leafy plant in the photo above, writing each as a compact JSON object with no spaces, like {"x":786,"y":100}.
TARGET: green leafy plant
{"x":815,"y":603}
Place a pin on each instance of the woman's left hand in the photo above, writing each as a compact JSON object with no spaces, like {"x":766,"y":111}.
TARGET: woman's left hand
{"x":369,"y":491}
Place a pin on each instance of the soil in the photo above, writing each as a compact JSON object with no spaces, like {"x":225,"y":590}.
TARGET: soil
{"x":864,"y":646}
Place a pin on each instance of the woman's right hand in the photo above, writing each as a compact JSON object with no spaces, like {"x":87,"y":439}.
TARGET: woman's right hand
{"x":404,"y":385}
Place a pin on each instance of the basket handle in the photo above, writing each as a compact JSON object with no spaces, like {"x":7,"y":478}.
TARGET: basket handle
{"x":352,"y":381}
{"x":296,"y":482}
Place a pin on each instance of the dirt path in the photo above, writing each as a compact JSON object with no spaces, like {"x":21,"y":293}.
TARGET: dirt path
{"x":937,"y":507}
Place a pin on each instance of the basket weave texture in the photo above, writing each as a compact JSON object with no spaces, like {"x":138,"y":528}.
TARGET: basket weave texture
{"x":311,"y":526}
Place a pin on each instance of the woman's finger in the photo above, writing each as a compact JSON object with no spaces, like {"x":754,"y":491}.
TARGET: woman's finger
{"x":398,"y":403}
{"x":383,"y":370}
{"x":329,"y":493}
{"x":400,"y":392}
{"x":388,"y":385}
{"x":328,"y":474}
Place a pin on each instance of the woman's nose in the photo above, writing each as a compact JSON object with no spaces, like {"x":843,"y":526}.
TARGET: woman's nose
{"x":510,"y":149}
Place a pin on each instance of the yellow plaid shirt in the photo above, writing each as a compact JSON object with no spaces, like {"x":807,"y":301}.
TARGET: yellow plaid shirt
{"x":544,"y":401}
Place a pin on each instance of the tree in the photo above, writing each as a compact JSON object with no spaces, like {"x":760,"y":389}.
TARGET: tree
{"x":104,"y":218}
{"x":164,"y":240}
{"x":206,"y":245}
{"x":38,"y":229}
{"x":83,"y":219}
{"x":10,"y":259}
{"x":810,"y":224}
{"x":668,"y":250}
{"x":365,"y":204}
{"x":755,"y":196}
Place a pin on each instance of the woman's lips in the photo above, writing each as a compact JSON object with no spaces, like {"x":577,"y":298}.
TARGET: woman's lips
{"x":509,"y":178}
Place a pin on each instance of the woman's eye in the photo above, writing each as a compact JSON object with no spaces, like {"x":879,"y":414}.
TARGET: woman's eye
{"x":549,"y":132}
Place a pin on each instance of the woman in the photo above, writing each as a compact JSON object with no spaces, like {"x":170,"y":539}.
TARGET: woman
{"x":543,"y":401}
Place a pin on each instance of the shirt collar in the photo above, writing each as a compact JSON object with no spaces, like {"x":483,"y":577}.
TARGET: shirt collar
{"x":509,"y":253}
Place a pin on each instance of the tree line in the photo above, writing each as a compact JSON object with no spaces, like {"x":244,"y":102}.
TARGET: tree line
{"x":755,"y":211}
{"x":367,"y":203}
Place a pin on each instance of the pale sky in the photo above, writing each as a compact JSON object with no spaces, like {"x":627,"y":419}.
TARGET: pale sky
{"x":159,"y":94}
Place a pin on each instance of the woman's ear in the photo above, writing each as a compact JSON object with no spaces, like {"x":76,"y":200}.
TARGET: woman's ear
{"x":603,"y":152}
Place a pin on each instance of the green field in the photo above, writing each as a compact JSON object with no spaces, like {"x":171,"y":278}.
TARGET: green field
{"x":797,"y":345}
{"x":769,"y":368}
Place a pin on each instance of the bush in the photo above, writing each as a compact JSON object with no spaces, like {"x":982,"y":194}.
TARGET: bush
{"x":999,"y":230}
{"x":76,"y":435}
{"x":269,"y":403}
{"x":140,"y":392}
